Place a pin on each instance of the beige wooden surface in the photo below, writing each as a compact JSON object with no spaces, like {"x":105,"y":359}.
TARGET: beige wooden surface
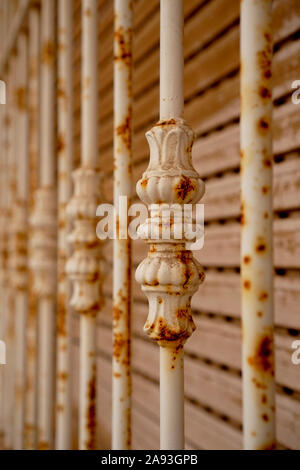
{"x":213,"y":354}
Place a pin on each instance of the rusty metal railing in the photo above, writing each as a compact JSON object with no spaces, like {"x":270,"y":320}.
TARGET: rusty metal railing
{"x":51,"y":259}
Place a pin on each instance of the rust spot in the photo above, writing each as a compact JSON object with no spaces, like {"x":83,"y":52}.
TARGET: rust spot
{"x":61,"y":145}
{"x":21,"y":99}
{"x":61,"y":315}
{"x":265,"y":92}
{"x":266,"y":215}
{"x":268,"y":446}
{"x":263,"y":359}
{"x":87,"y":12}
{"x":91,"y":412}
{"x":263,"y":296}
{"x":243,"y":218}
{"x":43,"y":445}
{"x":117,"y":313}
{"x":144,"y":183}
{"x":242,"y":154}
{"x":259,"y":314}
{"x":160,"y":300}
{"x":48,"y":53}
{"x":267,"y":162}
{"x":264,"y":63}
{"x":265,"y":417}
{"x":62,"y":376}
{"x":261,"y":246}
{"x":184,"y":188}
{"x":247,"y":259}
{"x":117,"y":375}
{"x":247,"y":284}
{"x":265,"y":189}
{"x":264,"y":398}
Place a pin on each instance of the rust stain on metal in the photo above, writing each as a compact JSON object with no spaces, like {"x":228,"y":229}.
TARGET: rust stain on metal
{"x":264,"y":63}
{"x":169,"y":122}
{"x":246,"y":259}
{"x":264,"y":92}
{"x":21,"y":98}
{"x":43,"y":445}
{"x":268,"y":446}
{"x":247,"y":284}
{"x":91,"y":412}
{"x":261,"y":246}
{"x":263,"y":296}
{"x":61,"y":315}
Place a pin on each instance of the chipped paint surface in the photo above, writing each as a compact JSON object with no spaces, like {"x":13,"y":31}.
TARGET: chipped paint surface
{"x":121,"y":412}
{"x":256,"y":220}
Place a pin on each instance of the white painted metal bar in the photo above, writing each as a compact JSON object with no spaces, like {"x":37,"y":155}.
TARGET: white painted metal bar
{"x":20,"y":280}
{"x":121,"y":408}
{"x":30,"y":430}
{"x":45,"y":233}
{"x":169,"y":275}
{"x":256,"y":241}
{"x":83,"y":267}
{"x":65,"y":157}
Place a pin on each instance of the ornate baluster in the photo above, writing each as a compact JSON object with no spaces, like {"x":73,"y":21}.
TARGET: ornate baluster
{"x":169,"y":275}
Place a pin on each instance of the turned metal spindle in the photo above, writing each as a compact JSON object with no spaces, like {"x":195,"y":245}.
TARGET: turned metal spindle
{"x":256,"y":219}
{"x":121,"y":410}
{"x":170,"y":275}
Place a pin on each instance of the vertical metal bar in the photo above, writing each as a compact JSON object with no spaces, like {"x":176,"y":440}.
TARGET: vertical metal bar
{"x":20,"y":239}
{"x":45,"y":233}
{"x":9,"y":300}
{"x":65,"y":156}
{"x":83,"y":267}
{"x":169,"y":275}
{"x":30,"y":431}
{"x":256,"y":237}
{"x":121,"y":409}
